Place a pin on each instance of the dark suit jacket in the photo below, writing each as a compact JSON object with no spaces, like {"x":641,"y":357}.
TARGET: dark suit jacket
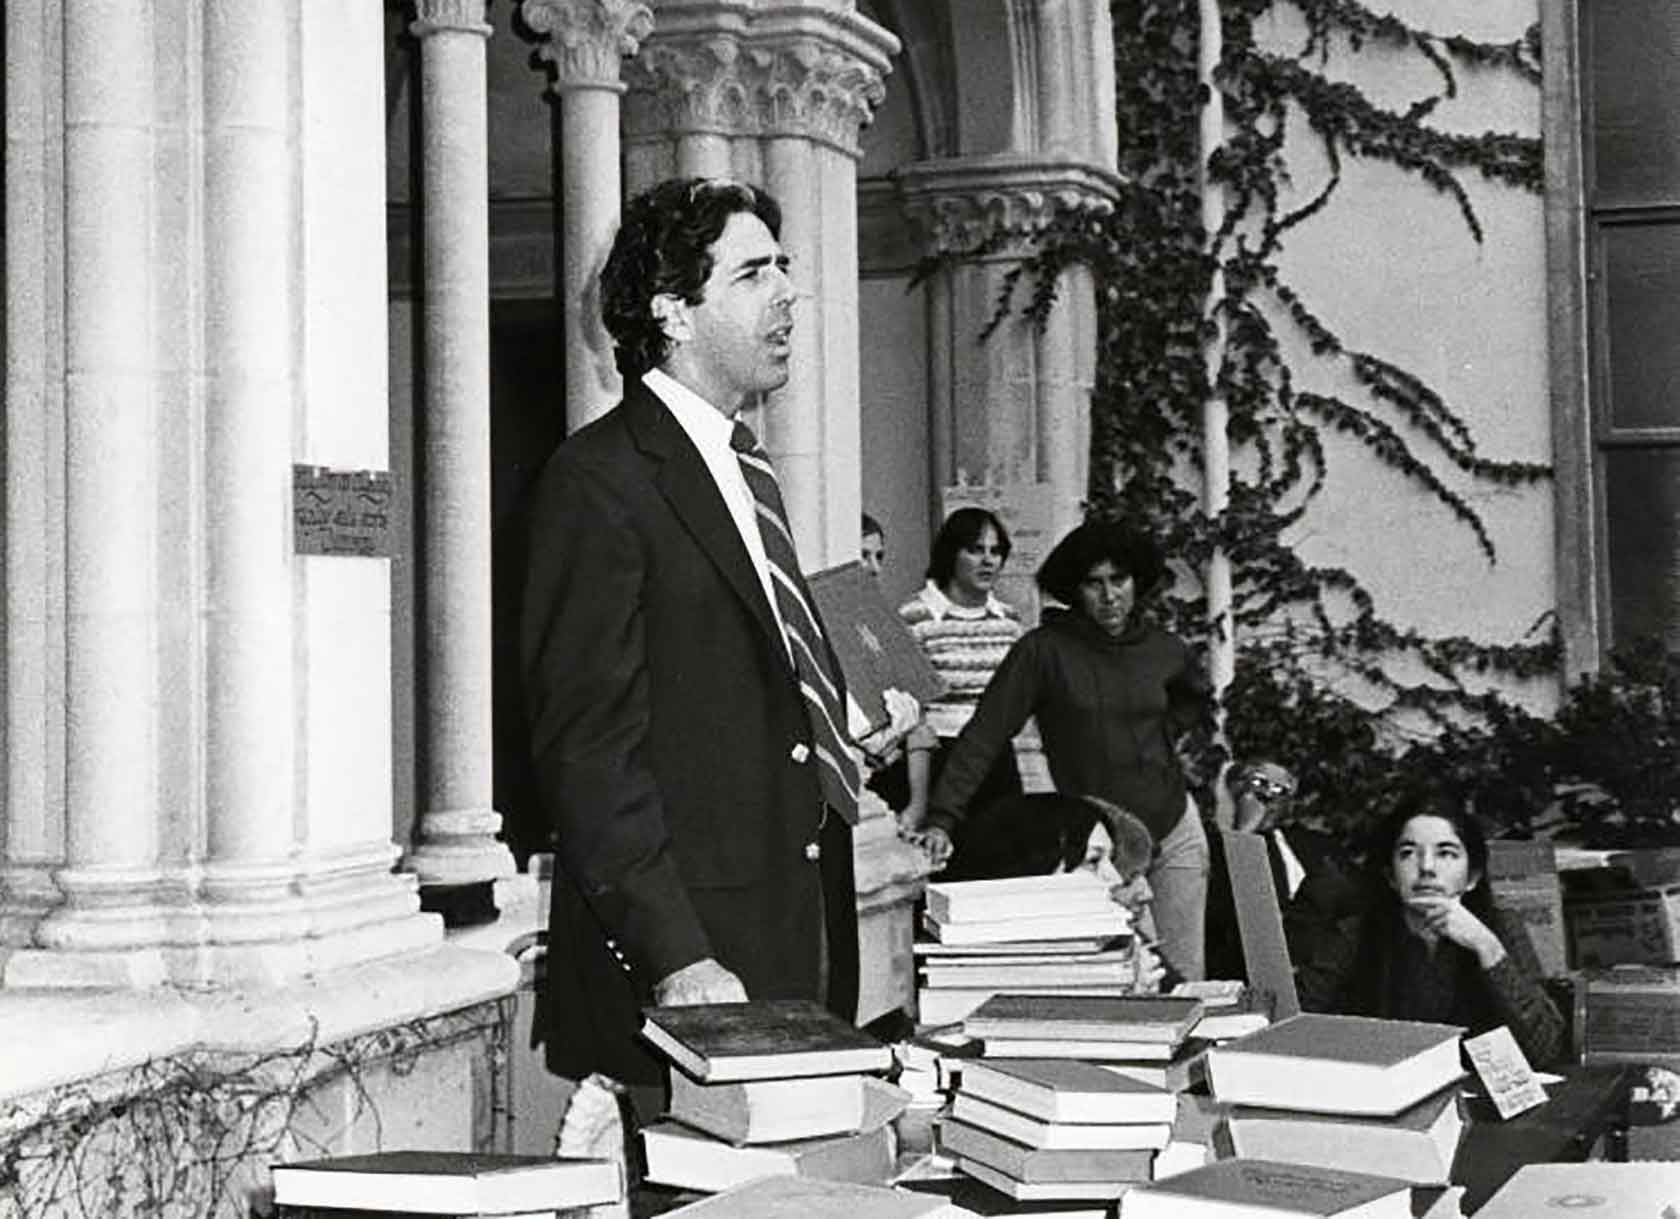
{"x":665,"y":729}
{"x":1326,"y":906}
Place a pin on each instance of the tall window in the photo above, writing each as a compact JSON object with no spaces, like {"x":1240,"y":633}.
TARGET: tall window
{"x":1630,"y":77}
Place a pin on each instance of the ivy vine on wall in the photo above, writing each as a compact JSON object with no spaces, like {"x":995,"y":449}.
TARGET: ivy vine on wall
{"x":1363,"y":709}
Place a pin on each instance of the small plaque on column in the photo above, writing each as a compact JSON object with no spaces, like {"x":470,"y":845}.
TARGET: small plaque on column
{"x":341,"y":512}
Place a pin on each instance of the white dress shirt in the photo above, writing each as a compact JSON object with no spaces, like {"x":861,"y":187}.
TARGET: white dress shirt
{"x":710,"y":430}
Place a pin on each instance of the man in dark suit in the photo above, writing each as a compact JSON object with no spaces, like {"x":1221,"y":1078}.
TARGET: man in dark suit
{"x":1319,"y":891}
{"x":680,"y":693}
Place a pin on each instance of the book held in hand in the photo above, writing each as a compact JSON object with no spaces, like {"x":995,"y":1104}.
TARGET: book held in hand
{"x":1417,"y":1144}
{"x":761,"y":1039}
{"x":1159,"y":1019}
{"x":1262,"y":1189}
{"x":1056,"y":1090}
{"x":447,"y":1182}
{"x":1336,"y":1064}
{"x":875,"y":648}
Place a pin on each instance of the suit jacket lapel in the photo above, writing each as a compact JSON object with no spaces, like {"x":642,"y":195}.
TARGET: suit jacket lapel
{"x":687,"y":485}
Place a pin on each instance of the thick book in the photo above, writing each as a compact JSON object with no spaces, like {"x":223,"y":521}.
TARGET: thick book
{"x":1018,"y":950}
{"x":1336,"y":1064}
{"x":1107,"y":968}
{"x":777,"y":1110}
{"x":687,"y":1159}
{"x":1261,"y":1189}
{"x":1043,"y":1165}
{"x":1645,"y":1188}
{"x":1015,"y":897}
{"x":761,"y":1039}
{"x":447,"y":1182}
{"x":1086,"y":926}
{"x":1417,"y":1144}
{"x":1041,"y":1191}
{"x":1187,"y":1067}
{"x":950,"y":1004}
{"x":781,"y":1197}
{"x":1161,"y":1019}
{"x":875,"y":648}
{"x":1057,"y":1090}
{"x":1061,"y":1047}
{"x":1063,"y":1136}
{"x":980,"y":1200}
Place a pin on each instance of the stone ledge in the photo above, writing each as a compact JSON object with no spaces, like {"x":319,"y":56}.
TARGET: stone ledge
{"x":57,"y":1037}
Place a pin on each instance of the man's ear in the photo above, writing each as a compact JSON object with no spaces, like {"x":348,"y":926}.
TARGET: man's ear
{"x":671,"y":312}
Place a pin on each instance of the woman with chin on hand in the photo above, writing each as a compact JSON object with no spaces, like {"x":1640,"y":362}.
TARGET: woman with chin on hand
{"x":1433,"y":945}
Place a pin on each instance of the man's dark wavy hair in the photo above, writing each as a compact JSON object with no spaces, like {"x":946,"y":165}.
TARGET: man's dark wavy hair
{"x":662,"y":246}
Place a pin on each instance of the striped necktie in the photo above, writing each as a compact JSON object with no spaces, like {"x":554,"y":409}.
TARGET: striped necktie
{"x":824,"y":707}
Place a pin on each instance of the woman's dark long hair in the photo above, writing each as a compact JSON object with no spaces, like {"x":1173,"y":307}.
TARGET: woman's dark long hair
{"x":1038,"y":833}
{"x":1379,"y":856}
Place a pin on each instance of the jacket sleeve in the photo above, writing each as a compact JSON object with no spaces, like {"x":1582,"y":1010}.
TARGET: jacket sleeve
{"x":1005,"y":706}
{"x":585,"y":667}
{"x":1520,"y":999}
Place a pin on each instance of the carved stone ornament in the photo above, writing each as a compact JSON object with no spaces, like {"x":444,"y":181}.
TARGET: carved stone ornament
{"x":730,"y":85}
{"x":954,"y":207}
{"x":449,"y":16}
{"x":588,"y":39}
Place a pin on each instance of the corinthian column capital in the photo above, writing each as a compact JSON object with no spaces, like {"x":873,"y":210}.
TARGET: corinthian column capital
{"x":956,"y":206}
{"x":451,"y":16}
{"x":588,"y":39}
{"x":732,"y":68}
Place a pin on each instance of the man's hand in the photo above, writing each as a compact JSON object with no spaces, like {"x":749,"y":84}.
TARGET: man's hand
{"x":704,"y":981}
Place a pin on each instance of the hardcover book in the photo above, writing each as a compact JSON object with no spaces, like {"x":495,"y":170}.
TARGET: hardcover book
{"x":761,"y":1039}
{"x":687,"y":1159}
{"x":1056,"y":1090}
{"x":1336,"y":1064}
{"x":780,"y":1197}
{"x":1105,"y":968}
{"x":1417,"y":1144}
{"x":1028,"y":950}
{"x":1093,"y":1051}
{"x":1261,"y":1189}
{"x":1017,"y":897}
{"x":447,"y":1182}
{"x":1040,"y":1165}
{"x":1185,"y":1069}
{"x":1162,"y":1019}
{"x":875,"y":649}
{"x":950,"y":1004}
{"x":976,"y":1198}
{"x":1042,"y":1191}
{"x":1084,"y":926}
{"x":1596,"y":1189}
{"x":776,"y":1110}
{"x":1063,"y":1136}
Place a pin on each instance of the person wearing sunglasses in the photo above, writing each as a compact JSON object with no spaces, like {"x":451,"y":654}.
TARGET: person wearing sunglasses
{"x":1319,"y":890}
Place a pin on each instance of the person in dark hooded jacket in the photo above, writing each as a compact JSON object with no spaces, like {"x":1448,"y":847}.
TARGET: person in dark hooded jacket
{"x":1112,"y":693}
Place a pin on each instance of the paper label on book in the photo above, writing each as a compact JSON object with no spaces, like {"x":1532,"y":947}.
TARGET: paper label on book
{"x":1504,"y":1071}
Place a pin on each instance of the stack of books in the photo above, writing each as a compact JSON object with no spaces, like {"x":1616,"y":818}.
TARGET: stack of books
{"x":1059,"y":934}
{"x":769,"y":1088}
{"x":454,"y":1183}
{"x":1054,"y":1129}
{"x":1349,"y":1093}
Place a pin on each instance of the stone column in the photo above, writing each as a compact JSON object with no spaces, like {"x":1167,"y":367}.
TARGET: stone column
{"x":1013,"y":414}
{"x":107,"y":930}
{"x":778,"y":97}
{"x":457,"y":852}
{"x":586,"y":41}
{"x":248,"y":747}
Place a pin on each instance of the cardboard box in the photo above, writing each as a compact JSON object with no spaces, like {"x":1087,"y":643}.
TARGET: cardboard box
{"x":1524,"y":880}
{"x":1634,"y":926}
{"x":1628,"y":1013}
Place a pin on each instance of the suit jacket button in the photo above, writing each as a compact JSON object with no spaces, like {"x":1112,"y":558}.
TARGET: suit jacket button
{"x":813,"y":852}
{"x":800,"y":752}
